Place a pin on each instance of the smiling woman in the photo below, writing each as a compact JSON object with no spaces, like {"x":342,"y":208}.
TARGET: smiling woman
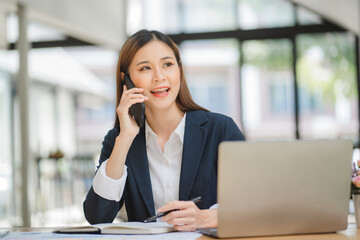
{"x":161,"y":166}
{"x":129,"y":53}
{"x":154,"y":69}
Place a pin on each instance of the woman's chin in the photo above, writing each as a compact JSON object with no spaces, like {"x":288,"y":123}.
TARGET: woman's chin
{"x":161,"y":106}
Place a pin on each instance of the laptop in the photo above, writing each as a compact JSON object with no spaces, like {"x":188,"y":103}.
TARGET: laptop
{"x":282,"y":188}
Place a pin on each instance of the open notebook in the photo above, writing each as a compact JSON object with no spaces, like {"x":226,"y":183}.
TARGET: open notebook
{"x":121,"y":228}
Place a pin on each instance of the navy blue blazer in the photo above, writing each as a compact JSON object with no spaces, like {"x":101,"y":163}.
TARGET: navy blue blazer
{"x":203,"y":133}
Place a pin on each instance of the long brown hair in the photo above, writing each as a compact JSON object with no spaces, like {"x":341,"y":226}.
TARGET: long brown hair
{"x":184,"y":100}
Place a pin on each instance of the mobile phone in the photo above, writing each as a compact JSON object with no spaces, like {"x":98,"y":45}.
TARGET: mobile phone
{"x":137,"y":110}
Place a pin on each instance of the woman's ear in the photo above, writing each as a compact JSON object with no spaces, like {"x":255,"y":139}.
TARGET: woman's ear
{"x":122,"y":74}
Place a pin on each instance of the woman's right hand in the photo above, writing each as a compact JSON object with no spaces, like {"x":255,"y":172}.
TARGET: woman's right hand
{"x":129,"y":97}
{"x":128,"y":131}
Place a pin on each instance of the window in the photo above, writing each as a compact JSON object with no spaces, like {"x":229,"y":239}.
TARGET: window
{"x":175,"y":16}
{"x":212,"y":72}
{"x":161,"y":15}
{"x":6,"y":159}
{"x":281,"y":95}
{"x":306,"y":17}
{"x":209,"y":15}
{"x":327,"y":86}
{"x":267,"y":89}
{"x":254,"y":14}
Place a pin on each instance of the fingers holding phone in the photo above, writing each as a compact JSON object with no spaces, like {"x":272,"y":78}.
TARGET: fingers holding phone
{"x":137,"y":110}
{"x":130,"y":97}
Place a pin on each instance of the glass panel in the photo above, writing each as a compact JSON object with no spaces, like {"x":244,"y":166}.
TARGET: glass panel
{"x":6,"y":185}
{"x":209,"y":15}
{"x":211,"y":70}
{"x":265,"y":14}
{"x":306,"y":17}
{"x":161,"y":15}
{"x":65,"y":143}
{"x":36,"y":31}
{"x":267,"y":89}
{"x":58,"y":184}
{"x":63,"y":171}
{"x":327,"y":86}
{"x":134,"y":16}
{"x":95,"y":116}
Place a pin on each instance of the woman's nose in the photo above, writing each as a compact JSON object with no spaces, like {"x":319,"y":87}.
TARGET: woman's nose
{"x":158,"y":75}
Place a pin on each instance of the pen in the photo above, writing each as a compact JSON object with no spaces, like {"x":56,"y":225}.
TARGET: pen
{"x":4,"y":234}
{"x":150,"y":219}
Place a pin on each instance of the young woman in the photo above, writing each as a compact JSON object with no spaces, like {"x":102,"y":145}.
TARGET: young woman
{"x":170,"y":160}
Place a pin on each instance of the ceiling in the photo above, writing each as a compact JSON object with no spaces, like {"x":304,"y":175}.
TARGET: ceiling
{"x":99,"y":22}
{"x":103,"y":22}
{"x":345,"y":13}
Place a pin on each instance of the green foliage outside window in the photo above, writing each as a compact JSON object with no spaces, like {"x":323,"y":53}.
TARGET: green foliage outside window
{"x":326,"y":64}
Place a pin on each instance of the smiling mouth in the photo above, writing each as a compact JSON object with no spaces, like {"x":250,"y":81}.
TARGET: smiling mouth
{"x":160,"y":90}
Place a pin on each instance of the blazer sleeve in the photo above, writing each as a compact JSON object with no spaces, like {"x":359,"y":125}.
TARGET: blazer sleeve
{"x":98,"y":209}
{"x":232,"y":131}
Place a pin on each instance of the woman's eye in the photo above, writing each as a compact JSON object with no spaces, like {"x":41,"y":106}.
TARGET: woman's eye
{"x":168,"y":64}
{"x":144,"y":68}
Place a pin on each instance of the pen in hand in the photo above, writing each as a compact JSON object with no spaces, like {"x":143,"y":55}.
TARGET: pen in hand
{"x":150,"y":219}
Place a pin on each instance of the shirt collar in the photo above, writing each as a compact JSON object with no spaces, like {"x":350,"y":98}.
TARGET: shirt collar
{"x":180,"y":129}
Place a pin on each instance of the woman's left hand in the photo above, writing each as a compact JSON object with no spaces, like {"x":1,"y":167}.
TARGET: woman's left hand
{"x":188,"y":217}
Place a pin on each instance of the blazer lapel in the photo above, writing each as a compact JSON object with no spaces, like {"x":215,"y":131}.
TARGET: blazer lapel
{"x":194,"y":142}
{"x":138,"y":162}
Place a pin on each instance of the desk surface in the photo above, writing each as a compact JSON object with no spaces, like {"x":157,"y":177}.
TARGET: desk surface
{"x":351,"y":233}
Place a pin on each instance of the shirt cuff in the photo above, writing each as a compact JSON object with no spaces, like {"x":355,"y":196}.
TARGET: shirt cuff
{"x":215,"y":206}
{"x":107,"y":187}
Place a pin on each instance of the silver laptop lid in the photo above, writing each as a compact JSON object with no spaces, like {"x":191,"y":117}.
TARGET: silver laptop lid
{"x":277,"y":188}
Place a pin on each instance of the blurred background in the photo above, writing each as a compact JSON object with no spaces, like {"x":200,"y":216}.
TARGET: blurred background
{"x":281,"y":69}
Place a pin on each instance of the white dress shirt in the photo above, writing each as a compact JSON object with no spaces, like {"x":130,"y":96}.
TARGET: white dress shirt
{"x":164,"y":168}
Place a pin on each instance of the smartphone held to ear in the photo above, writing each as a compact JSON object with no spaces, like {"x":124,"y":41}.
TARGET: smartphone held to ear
{"x":137,"y":110}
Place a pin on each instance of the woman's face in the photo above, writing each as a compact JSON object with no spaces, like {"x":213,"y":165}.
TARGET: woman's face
{"x":154,"y":68}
